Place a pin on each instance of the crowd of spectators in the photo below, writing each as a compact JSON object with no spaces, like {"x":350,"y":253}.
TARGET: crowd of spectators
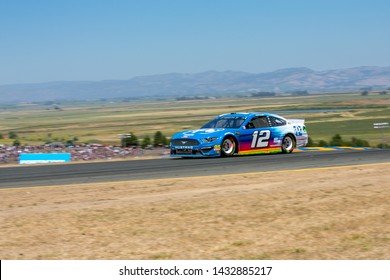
{"x":83,"y":152}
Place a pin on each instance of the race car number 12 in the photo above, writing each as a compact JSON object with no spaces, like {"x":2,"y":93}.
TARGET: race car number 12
{"x":260,"y":139}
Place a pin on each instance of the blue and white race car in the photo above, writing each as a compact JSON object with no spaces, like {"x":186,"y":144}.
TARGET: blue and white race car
{"x":241,"y":134}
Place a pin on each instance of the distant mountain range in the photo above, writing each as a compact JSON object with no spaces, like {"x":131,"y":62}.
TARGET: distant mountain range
{"x":209,"y":83}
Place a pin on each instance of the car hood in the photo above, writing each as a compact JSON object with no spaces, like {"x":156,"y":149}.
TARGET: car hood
{"x":200,"y":133}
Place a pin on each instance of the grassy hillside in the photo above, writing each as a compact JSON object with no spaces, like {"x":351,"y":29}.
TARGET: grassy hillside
{"x":350,"y":115}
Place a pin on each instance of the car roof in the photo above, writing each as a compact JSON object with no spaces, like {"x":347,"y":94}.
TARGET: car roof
{"x":250,"y":114}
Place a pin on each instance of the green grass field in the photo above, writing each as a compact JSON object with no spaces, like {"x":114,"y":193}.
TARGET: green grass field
{"x":350,"y":115}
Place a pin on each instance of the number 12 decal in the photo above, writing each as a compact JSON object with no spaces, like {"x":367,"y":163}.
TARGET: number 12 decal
{"x":260,"y":139}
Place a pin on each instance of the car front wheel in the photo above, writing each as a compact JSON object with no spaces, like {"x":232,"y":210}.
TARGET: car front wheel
{"x":228,"y":147}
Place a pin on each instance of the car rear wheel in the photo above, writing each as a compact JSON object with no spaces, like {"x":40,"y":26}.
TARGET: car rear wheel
{"x":228,"y":147}
{"x":288,"y":144}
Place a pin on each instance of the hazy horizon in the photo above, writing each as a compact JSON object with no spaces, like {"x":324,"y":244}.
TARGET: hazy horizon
{"x":195,"y":73}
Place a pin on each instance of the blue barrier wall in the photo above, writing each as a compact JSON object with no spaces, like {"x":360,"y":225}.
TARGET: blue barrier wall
{"x":43,"y":158}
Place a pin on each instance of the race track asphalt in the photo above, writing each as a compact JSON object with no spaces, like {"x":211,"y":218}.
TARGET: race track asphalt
{"x":93,"y":172}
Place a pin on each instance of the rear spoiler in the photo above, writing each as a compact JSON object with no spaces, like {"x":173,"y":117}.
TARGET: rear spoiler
{"x":296,"y":121}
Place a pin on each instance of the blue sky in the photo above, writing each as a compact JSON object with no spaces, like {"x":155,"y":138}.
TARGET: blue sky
{"x":73,"y":40}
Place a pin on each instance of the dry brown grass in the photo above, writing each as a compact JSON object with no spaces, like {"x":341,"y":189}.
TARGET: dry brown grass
{"x":329,"y":213}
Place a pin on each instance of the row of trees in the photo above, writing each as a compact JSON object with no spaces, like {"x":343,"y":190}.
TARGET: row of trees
{"x":127,"y":140}
{"x":272,"y":93}
{"x":130,"y":139}
{"x":49,"y":139}
{"x":337,"y":140}
{"x":11,"y":135}
{"x":160,"y":140}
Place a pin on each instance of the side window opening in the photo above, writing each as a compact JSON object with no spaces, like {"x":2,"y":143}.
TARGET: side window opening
{"x":277,"y":121}
{"x":258,"y":122}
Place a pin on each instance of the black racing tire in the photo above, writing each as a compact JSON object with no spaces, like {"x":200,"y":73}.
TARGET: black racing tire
{"x":288,"y":144}
{"x":228,"y":147}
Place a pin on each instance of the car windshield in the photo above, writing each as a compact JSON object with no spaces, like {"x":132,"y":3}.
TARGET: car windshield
{"x":225,"y":122}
